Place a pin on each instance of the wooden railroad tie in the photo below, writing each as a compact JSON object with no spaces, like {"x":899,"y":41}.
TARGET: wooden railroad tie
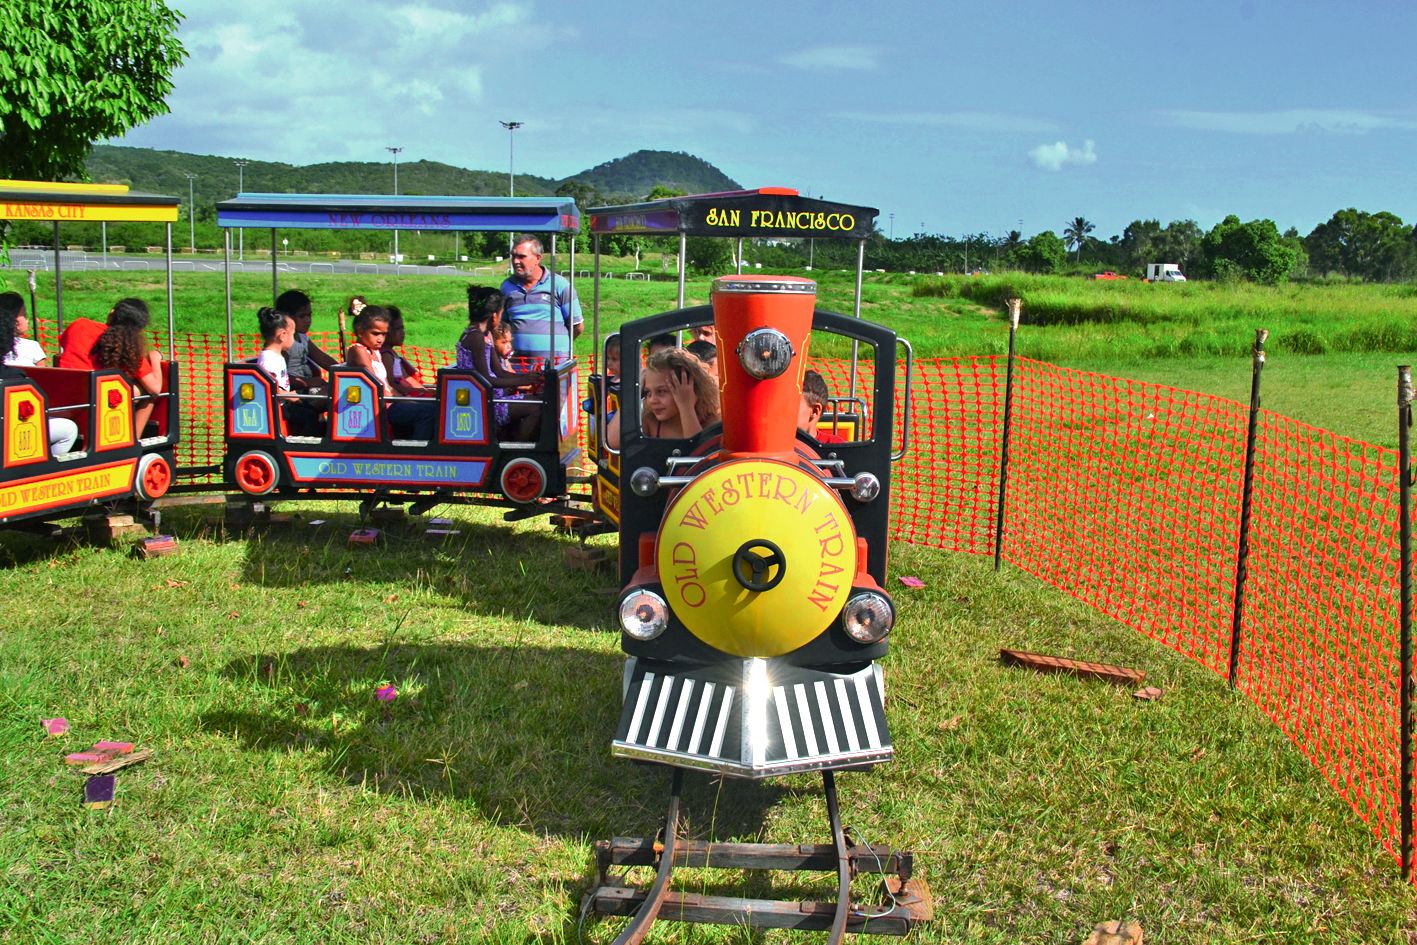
{"x":1117,"y":675}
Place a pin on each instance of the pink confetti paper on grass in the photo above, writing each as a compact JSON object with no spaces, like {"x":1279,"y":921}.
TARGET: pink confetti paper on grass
{"x":55,"y":726}
{"x":912,"y":581}
{"x":386,"y":693}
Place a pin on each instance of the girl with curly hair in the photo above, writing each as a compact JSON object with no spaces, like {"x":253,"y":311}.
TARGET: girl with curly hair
{"x":680,"y":398}
{"x":124,"y":345}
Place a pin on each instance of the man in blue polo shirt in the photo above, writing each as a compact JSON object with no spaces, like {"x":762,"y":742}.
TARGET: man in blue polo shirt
{"x":529,"y":305}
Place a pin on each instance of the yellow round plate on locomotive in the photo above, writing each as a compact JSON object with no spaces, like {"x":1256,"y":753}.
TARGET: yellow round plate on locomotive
{"x":756,"y":557}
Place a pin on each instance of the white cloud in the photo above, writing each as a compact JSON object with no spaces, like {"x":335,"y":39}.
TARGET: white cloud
{"x":1052,"y":157}
{"x":860,"y":58}
{"x":1289,"y":121}
{"x":978,"y":121}
{"x":303,"y":82}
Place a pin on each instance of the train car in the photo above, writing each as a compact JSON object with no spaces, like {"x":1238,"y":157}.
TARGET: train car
{"x":360,"y":450}
{"x":754,"y":610}
{"x":764,"y":213}
{"x":111,"y":462}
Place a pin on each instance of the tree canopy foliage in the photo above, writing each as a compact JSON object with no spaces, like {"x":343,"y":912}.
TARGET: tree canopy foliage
{"x":1377,"y":247}
{"x":1253,"y":250}
{"x":1075,"y":234}
{"x":73,"y":72}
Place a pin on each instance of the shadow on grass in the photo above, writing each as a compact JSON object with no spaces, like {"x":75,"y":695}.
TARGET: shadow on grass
{"x":522,"y":734}
{"x":498,"y":570}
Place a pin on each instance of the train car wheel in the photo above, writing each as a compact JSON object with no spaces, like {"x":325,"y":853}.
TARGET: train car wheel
{"x":256,"y":473}
{"x":154,"y":477}
{"x":523,"y":480}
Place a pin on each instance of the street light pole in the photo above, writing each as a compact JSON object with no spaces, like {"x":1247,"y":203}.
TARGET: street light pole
{"x":395,"y":152}
{"x":191,"y":214}
{"x":241,"y":233}
{"x":892,"y":226}
{"x":511,"y":127}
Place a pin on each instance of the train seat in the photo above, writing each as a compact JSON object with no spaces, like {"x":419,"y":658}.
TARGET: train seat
{"x":65,"y":387}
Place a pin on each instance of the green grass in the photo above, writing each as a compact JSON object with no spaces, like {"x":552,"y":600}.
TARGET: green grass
{"x":285,"y":804}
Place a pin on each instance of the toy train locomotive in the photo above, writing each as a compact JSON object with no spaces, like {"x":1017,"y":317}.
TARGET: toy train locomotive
{"x":753,"y":558}
{"x":753,"y":611}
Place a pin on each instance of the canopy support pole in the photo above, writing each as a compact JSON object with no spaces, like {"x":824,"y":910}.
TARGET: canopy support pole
{"x":683,"y":259}
{"x":551,"y":322}
{"x":595,"y":307}
{"x":58,"y":283}
{"x":226,"y":257}
{"x":740,"y":255}
{"x":856,"y":310}
{"x":171,"y":318}
{"x":275,"y":286}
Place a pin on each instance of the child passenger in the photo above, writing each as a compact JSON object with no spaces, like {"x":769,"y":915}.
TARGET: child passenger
{"x":62,"y":432}
{"x":304,"y":360}
{"x":814,"y":402}
{"x":680,"y":399}
{"x":277,"y":336}
{"x":403,"y":376}
{"x":371,"y":328}
{"x":26,"y":352}
{"x":124,"y":345}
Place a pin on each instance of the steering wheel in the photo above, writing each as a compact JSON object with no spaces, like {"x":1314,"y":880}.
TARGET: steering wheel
{"x":753,"y":563}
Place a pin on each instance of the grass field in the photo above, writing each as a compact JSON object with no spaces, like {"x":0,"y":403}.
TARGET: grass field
{"x":284,"y":803}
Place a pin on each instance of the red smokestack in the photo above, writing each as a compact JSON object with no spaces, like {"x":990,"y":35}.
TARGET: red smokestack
{"x":763,"y":324}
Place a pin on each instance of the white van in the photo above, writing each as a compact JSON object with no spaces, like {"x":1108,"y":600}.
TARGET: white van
{"x":1164,"y":272}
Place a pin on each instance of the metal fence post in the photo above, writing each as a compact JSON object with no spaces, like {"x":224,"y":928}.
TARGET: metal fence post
{"x":1404,"y":517}
{"x":1242,"y":556}
{"x":1015,"y":307}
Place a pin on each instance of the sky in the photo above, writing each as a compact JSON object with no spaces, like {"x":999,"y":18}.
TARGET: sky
{"x":952,"y":117}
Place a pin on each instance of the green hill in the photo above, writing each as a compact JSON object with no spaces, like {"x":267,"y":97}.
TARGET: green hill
{"x":629,"y":177}
{"x":635,"y":175}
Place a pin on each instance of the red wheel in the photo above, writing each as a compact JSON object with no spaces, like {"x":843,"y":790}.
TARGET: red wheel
{"x":256,"y":473}
{"x":154,"y":477}
{"x":523,"y":480}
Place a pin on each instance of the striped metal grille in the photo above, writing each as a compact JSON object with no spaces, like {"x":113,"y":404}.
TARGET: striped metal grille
{"x":795,"y":719}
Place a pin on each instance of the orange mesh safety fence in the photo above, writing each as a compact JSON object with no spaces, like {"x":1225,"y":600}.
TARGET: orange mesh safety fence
{"x":1125,"y":495}
{"x":1320,"y":650}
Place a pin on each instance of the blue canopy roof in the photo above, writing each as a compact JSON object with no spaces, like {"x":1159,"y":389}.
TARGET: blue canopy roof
{"x":399,"y":212}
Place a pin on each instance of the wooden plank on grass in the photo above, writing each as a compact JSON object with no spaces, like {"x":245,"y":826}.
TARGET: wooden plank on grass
{"x":1117,"y":675}
{"x":122,"y":761}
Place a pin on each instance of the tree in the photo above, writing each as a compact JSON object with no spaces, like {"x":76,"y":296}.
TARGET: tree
{"x":1139,"y":243}
{"x":1252,"y":250}
{"x":75,"y":71}
{"x":1043,"y":253}
{"x":1076,"y":234}
{"x":1374,"y":246}
{"x":1179,"y":243}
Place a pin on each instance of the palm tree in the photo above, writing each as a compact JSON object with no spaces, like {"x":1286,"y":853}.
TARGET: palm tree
{"x":1076,"y":234}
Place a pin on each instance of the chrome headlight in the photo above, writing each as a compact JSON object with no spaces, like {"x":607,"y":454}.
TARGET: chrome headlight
{"x":765,"y":353}
{"x":644,"y":614}
{"x":865,"y":487}
{"x":868,"y":617}
{"x":644,"y":482}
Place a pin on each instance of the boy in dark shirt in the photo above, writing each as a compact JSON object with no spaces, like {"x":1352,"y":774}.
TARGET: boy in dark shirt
{"x":305,"y":362}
